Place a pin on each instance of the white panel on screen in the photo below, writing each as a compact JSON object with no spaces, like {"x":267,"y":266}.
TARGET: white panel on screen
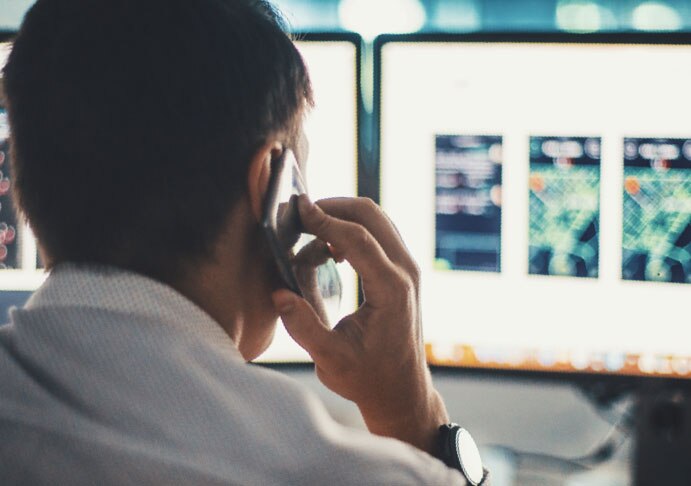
{"x":465,"y":98}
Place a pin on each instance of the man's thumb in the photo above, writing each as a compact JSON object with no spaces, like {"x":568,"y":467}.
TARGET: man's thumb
{"x":301,"y":321}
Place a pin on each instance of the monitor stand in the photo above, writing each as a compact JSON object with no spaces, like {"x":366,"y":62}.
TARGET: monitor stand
{"x":663,"y":435}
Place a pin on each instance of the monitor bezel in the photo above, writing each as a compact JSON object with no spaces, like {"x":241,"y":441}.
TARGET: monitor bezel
{"x":584,"y":379}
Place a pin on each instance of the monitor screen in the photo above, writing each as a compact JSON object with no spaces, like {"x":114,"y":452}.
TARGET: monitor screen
{"x":18,"y":255}
{"x":545,"y":190}
{"x":331,"y":128}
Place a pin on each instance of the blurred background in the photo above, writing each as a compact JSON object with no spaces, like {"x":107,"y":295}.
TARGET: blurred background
{"x":372,"y":17}
{"x":533,"y":430}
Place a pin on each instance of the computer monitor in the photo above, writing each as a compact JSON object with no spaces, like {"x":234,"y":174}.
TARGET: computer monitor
{"x":543,"y":184}
{"x":331,"y":128}
{"x":18,"y":255}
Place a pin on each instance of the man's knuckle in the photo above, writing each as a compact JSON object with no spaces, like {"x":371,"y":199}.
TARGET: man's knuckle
{"x":369,"y":205}
{"x":401,"y":283}
{"x":415,"y":273}
{"x":362,"y":237}
{"x":410,"y":286}
{"x":322,"y":221}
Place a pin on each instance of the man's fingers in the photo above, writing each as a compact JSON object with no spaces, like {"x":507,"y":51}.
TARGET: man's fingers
{"x":313,"y":254}
{"x":302,"y":323}
{"x":353,"y":242}
{"x":364,"y":211}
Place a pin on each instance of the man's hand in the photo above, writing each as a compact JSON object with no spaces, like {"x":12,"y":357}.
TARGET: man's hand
{"x":375,"y":356}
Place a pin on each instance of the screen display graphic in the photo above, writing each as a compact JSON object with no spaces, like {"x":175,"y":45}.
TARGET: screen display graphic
{"x":657,"y":210}
{"x":468,"y":203}
{"x":564,"y":206}
{"x":9,"y":254}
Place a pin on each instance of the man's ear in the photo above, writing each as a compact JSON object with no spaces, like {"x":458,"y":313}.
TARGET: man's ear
{"x":258,"y":174}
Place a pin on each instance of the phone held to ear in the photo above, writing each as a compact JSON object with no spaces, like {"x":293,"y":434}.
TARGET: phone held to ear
{"x":304,"y":262}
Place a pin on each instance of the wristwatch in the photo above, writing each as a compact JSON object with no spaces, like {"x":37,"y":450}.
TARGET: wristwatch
{"x":459,"y":451}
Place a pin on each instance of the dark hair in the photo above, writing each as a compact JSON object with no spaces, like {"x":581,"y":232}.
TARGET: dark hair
{"x":133,"y":122}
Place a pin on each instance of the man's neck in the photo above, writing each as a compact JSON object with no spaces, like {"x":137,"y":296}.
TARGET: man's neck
{"x":234,"y":286}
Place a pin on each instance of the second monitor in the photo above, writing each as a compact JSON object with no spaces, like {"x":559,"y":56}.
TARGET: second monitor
{"x":543,"y":184}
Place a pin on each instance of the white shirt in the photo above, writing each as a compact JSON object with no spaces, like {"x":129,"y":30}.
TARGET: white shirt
{"x":108,"y":377}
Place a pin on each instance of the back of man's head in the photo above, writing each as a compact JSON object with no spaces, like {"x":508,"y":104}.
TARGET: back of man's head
{"x":133,"y":122}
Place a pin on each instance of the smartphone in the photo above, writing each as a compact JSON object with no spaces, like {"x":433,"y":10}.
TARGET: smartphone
{"x":303,"y":261}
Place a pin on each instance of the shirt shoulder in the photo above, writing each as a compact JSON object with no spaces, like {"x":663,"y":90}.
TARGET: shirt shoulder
{"x":121,"y":387}
{"x":296,"y":429}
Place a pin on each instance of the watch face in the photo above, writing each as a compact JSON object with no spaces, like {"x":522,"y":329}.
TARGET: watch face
{"x":469,"y":457}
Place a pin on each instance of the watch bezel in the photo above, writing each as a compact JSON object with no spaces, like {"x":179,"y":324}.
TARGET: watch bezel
{"x":453,"y":454}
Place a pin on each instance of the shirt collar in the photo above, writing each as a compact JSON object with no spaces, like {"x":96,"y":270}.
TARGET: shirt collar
{"x":117,"y":290}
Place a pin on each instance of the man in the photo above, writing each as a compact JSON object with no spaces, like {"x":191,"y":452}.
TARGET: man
{"x":142,"y":136}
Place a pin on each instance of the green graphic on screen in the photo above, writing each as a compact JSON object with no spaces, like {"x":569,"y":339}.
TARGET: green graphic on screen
{"x":657,"y":210}
{"x":564,"y":206}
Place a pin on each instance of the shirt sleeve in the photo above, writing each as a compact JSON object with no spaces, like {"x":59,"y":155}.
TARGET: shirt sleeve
{"x":329,"y":453}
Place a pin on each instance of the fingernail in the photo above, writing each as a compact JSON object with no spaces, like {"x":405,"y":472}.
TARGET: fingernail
{"x":304,"y":202}
{"x":338,"y":258}
{"x":284,"y":302}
